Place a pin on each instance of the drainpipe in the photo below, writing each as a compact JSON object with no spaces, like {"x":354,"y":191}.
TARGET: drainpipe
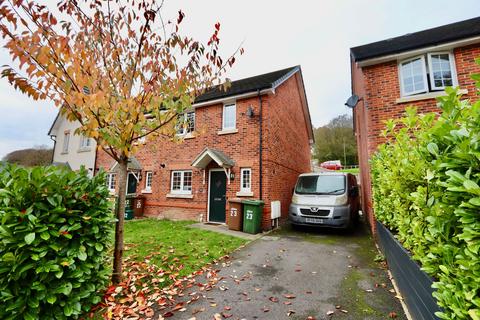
{"x":260,"y":148}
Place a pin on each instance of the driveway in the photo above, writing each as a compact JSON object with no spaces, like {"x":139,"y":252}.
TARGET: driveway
{"x":299,"y":274}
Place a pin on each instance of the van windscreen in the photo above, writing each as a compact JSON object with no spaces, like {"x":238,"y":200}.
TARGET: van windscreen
{"x":321,"y":184}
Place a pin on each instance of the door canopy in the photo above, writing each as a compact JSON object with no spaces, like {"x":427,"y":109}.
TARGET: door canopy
{"x":208,"y":155}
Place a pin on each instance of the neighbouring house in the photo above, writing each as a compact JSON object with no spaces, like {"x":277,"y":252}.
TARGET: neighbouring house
{"x":412,"y":69}
{"x":249,"y":142}
{"x":70,"y":149}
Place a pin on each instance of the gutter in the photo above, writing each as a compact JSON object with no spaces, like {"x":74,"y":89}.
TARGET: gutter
{"x":235,"y":97}
{"x":54,"y":139}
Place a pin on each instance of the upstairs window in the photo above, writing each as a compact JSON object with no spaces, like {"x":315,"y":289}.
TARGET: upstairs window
{"x":66,"y":141}
{"x":427,"y":73}
{"x":85,"y":142}
{"x":441,"y":70}
{"x":229,"y":116}
{"x":186,"y":123}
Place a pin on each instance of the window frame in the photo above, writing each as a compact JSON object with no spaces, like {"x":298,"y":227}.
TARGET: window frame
{"x":66,"y":141}
{"x":84,"y":139}
{"x":111,"y":177}
{"x":242,"y":189}
{"x":453,"y":70}
{"x":424,"y":75}
{"x":182,"y":182}
{"x":225,"y":105}
{"x":183,"y":130}
{"x":148,"y":187}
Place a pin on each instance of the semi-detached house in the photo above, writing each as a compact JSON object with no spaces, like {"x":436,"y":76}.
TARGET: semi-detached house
{"x":412,"y":69}
{"x":249,"y":142}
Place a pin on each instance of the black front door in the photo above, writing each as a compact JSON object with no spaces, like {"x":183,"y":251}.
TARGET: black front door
{"x":218,"y":198}
{"x":131,"y":183}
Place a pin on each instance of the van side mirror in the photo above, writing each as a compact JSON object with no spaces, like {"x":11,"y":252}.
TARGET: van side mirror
{"x":354,"y":191}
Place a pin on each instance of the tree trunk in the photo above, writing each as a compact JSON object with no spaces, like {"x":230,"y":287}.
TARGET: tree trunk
{"x":122,"y":192}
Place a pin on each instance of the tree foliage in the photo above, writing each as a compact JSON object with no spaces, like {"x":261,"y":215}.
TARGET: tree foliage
{"x":426,"y":189}
{"x":119,"y":68}
{"x":36,"y":156}
{"x":334,"y":138}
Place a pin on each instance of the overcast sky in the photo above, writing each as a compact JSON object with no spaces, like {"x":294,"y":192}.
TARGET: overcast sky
{"x":314,"y":34}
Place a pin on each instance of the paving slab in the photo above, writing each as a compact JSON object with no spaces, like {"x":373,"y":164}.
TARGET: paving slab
{"x":222,"y":228}
{"x":297,"y":274}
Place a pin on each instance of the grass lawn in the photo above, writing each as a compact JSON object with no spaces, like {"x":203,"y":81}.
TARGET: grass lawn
{"x":172,"y":242}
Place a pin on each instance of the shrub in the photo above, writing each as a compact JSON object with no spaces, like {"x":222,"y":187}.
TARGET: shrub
{"x":426,"y":190}
{"x":55,"y":229}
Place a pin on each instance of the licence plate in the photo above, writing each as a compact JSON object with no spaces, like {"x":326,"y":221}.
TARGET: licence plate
{"x":314,"y":220}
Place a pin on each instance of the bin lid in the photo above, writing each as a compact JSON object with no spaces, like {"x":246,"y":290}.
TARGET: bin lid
{"x":253,"y":202}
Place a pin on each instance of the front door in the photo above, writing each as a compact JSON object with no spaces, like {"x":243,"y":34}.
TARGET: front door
{"x":218,"y":196}
{"x":131,"y":183}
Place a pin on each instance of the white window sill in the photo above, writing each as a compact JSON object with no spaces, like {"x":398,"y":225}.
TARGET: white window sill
{"x":426,"y":96}
{"x":244,"y":194}
{"x":84,"y":149}
{"x":227,"y":131}
{"x":146,"y":191}
{"x":181,"y":196}
{"x":186,"y":136}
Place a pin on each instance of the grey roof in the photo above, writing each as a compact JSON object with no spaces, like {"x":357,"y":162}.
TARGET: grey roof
{"x":430,"y":37}
{"x":218,"y":156}
{"x":261,"y":82}
{"x":133,"y":165}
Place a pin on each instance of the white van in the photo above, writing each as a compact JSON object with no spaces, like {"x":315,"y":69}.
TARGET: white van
{"x":325,"y":199}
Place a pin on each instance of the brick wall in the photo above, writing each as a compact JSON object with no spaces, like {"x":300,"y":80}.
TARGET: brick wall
{"x":286,"y":153}
{"x":242,"y":147}
{"x":286,"y":141}
{"x":380,"y":88}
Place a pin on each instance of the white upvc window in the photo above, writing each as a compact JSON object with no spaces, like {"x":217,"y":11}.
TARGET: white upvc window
{"x":148,"y":180}
{"x":229,"y":120}
{"x":442,"y":70}
{"x":186,"y":123}
{"x":413,"y":76}
{"x":429,"y":72}
{"x":111,"y":182}
{"x":85,"y":142}
{"x":66,"y":141}
{"x":245,"y":180}
{"x":181,"y":182}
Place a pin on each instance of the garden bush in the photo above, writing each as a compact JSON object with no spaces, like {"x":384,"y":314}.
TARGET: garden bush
{"x":55,"y":228}
{"x":426,"y":181}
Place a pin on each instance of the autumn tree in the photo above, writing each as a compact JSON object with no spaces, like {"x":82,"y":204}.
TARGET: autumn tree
{"x":336,"y":141}
{"x":117,"y":67}
{"x":36,"y":156}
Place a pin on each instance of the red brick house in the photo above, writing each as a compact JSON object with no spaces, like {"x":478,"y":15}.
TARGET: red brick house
{"x":412,"y":69}
{"x":251,"y":141}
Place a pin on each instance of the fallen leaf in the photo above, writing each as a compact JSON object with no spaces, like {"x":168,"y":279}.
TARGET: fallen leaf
{"x":344,"y":311}
{"x":227,"y":315}
{"x":168,"y":314}
{"x":392,"y":315}
{"x":217,"y":316}
{"x":273,"y":299}
{"x":227,"y":308}
{"x":330,"y":312}
{"x":289,"y":296}
{"x":311,"y":318}
{"x":290,"y":312}
{"x":265,"y":309}
{"x":287,"y":303}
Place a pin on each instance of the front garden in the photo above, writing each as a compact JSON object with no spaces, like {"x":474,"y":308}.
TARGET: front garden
{"x":56,"y":232}
{"x":426,"y":191}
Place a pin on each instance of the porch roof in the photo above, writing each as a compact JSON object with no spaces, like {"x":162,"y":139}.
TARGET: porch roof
{"x":207,"y":155}
{"x":133,"y":165}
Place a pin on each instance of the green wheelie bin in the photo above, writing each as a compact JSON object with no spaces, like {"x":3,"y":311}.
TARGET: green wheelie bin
{"x":252,"y":216}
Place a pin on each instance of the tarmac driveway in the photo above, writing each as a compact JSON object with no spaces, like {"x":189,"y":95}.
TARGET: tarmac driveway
{"x":300,"y":274}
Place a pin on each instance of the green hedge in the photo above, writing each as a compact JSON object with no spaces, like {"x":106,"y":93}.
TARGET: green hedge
{"x":55,"y":228}
{"x":426,"y":190}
